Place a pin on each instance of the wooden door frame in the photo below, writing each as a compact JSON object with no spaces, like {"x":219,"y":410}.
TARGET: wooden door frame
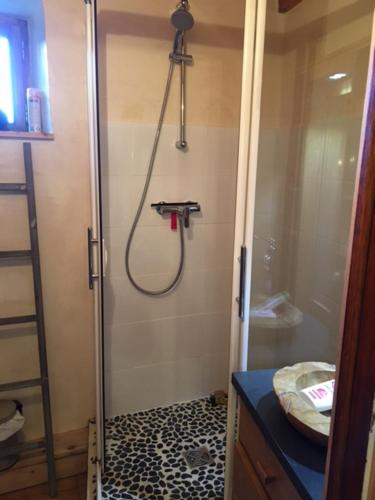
{"x":356,"y":371}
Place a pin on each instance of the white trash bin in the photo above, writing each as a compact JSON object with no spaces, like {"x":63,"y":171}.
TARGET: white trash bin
{"x":11,"y":422}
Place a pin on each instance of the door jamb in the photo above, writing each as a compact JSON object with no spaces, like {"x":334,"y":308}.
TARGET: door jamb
{"x":254,"y":36}
{"x":93,"y":121}
{"x":355,"y":389}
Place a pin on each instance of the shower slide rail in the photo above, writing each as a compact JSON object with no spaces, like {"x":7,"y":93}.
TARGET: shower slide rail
{"x":15,"y":257}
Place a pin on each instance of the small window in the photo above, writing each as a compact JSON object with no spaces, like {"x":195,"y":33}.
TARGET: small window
{"x":6,"y":85}
{"x":14,"y":75}
{"x":23,"y":66}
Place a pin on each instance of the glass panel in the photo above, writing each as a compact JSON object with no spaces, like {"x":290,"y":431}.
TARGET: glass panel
{"x":167,"y":350}
{"x":314,"y":80}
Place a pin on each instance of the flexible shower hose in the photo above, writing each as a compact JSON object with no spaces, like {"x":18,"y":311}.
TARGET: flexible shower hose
{"x":142,"y":202}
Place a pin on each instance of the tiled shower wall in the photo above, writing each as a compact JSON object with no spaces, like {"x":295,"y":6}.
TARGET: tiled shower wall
{"x":173,"y":348}
{"x":160,"y":350}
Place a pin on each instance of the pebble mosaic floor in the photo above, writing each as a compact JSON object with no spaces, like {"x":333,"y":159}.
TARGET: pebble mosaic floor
{"x":145,"y":453}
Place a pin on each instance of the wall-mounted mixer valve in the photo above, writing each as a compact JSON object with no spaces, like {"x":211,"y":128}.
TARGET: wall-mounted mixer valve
{"x":180,"y":209}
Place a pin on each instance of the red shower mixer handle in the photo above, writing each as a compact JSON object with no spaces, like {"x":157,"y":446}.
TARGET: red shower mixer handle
{"x":183,"y":210}
{"x":174,"y":221}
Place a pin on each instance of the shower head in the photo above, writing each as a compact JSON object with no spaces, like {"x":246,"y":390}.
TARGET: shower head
{"x":181,"y":18}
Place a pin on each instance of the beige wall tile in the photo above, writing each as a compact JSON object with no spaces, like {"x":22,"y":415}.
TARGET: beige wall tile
{"x":155,"y":385}
{"x":166,"y":340}
{"x":198,"y":292}
{"x":162,"y":384}
{"x":121,"y":196}
{"x":208,"y":247}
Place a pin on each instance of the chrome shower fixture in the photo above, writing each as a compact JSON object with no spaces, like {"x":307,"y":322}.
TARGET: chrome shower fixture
{"x":179,"y":56}
{"x":182,"y":209}
{"x":180,"y":212}
{"x":181,"y":18}
{"x":183,"y":21}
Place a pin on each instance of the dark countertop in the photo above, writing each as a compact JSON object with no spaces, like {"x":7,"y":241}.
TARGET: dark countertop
{"x":303,"y":461}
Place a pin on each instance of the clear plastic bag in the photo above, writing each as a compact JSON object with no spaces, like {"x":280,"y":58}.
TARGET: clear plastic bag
{"x":12,"y":426}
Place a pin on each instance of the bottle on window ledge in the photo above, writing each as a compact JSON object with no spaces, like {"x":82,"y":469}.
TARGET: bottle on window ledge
{"x":34,"y":109}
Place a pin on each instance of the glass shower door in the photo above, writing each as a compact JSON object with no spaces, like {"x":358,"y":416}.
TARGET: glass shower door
{"x":308,"y":100}
{"x":315,"y":69}
{"x":166,"y":353}
{"x":96,"y":249}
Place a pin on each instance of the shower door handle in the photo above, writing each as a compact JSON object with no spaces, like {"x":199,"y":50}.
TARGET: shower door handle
{"x":90,"y":245}
{"x":241,"y":295}
{"x":105,"y":257}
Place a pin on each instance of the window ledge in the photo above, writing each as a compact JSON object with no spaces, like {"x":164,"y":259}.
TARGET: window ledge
{"x":28,"y":136}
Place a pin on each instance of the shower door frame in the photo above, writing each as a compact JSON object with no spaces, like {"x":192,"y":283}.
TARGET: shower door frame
{"x":97,"y":249}
{"x":252,"y":70}
{"x":254,"y":35}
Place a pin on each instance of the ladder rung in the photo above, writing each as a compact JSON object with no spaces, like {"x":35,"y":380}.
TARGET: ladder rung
{"x":27,"y":189}
{"x":15,"y":254}
{"x":13,"y":188}
{"x":22,"y":447}
{"x":22,"y":384}
{"x":17,"y":320}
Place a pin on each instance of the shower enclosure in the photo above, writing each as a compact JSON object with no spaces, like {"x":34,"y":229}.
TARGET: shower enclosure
{"x":258,"y":122}
{"x":168,"y":122}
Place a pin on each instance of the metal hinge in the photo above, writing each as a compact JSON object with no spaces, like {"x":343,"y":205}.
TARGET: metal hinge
{"x":241,"y":296}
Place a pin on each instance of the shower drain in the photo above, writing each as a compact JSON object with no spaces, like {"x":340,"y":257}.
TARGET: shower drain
{"x":197,"y":457}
